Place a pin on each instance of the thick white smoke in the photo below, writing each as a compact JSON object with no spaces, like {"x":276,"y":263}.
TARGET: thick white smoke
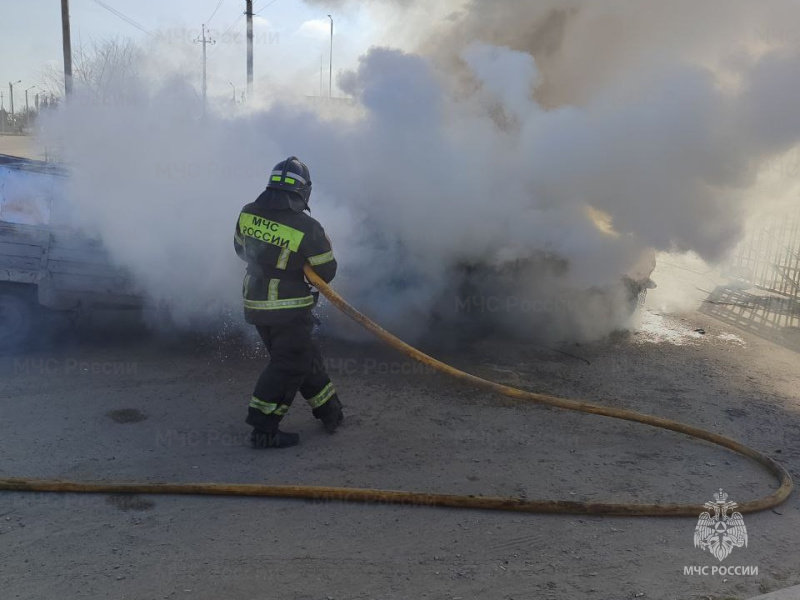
{"x":475,"y":153}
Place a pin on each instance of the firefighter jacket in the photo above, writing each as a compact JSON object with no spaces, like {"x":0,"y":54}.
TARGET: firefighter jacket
{"x":277,"y":240}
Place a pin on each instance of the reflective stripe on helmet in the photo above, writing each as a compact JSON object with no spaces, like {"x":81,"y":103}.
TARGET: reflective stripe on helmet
{"x":288,"y":178}
{"x":296,"y":176}
{"x":322,"y":397}
{"x":299,"y":178}
{"x":279,"y":304}
{"x":320,"y":259}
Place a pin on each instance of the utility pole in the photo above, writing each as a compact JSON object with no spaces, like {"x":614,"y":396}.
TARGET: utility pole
{"x":11,"y":95}
{"x":67,"y":47}
{"x":330,"y":69}
{"x":205,"y":41}
{"x":249,"y":9}
{"x":28,"y":108}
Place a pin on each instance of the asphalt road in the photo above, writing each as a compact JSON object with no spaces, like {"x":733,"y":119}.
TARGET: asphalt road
{"x":158,"y":409}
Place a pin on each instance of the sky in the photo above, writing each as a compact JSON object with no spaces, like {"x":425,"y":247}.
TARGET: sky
{"x":290,"y":37}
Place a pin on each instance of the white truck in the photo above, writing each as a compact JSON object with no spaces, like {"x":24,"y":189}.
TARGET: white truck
{"x":45,"y":265}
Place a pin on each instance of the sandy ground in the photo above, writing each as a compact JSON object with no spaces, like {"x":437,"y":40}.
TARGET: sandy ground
{"x":172,"y":411}
{"x":23,"y":145}
{"x":17,"y":145}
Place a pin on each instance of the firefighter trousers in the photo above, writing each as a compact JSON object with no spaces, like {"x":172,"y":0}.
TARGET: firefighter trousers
{"x":295,"y":364}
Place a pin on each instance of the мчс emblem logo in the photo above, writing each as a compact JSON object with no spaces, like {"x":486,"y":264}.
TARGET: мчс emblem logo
{"x":720,"y":533}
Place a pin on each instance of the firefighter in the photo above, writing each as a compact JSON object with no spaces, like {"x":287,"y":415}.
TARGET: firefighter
{"x":276,"y":238}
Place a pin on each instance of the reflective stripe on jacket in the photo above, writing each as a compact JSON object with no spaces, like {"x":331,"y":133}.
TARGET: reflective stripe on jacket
{"x":276,"y":243}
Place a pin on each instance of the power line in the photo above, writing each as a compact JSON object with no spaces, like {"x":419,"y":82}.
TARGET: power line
{"x":236,"y":22}
{"x":208,"y":20}
{"x":222,"y":37}
{"x":127,"y":19}
{"x":265,"y":7}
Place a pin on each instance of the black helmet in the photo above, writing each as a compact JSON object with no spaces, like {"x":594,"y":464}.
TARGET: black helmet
{"x":291,"y":175}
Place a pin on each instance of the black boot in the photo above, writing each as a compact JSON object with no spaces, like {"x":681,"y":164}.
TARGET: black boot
{"x":330,"y":414}
{"x":274,"y":439}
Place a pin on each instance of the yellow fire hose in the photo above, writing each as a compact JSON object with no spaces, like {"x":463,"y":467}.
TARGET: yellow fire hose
{"x":325,"y":493}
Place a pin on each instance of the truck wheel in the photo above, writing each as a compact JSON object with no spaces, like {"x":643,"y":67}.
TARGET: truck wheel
{"x":16,"y":320}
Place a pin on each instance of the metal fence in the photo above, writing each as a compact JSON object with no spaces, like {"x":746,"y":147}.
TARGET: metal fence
{"x":763,"y":295}
{"x":769,"y":258}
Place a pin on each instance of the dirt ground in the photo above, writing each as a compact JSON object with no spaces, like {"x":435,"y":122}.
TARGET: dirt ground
{"x":156,"y":410}
{"x":20,"y":145}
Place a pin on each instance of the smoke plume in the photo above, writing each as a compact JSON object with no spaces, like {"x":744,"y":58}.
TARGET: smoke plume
{"x":534,"y":149}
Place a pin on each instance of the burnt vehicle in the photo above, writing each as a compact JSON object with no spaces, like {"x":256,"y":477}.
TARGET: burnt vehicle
{"x":47,"y":266}
{"x":534,"y":298}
